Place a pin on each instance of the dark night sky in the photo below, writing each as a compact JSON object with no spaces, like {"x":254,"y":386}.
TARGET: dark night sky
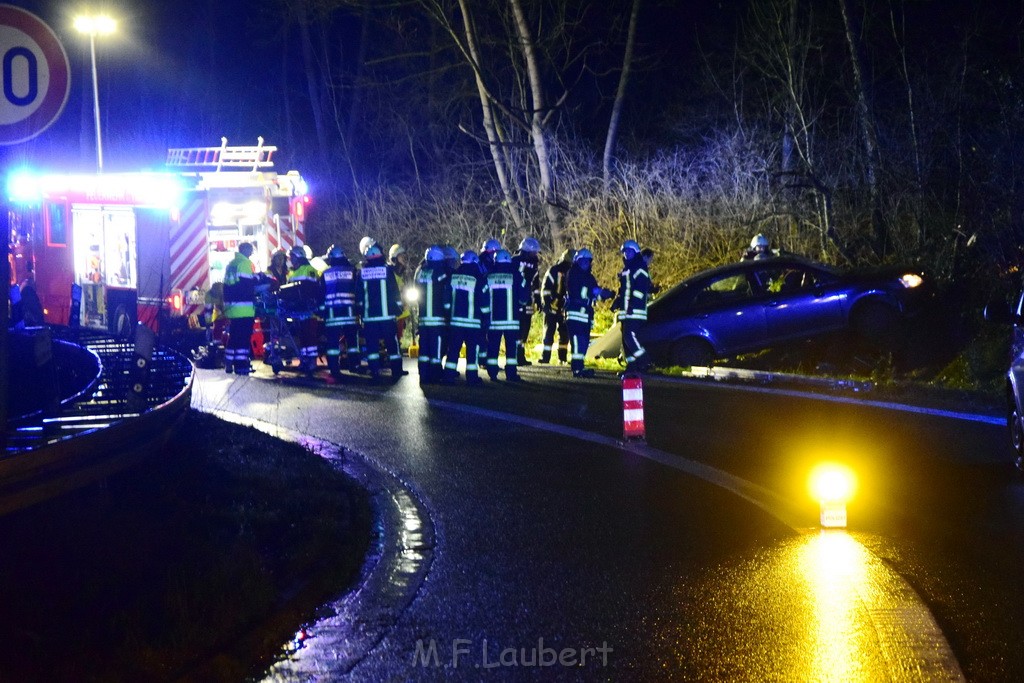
{"x":155,"y":80}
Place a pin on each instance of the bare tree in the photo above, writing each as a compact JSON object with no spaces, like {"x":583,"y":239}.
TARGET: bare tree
{"x":620,"y":95}
{"x":866,"y":125}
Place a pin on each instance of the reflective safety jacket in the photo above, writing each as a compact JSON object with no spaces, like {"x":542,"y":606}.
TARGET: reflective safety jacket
{"x":506,"y":296}
{"x":239,"y":288}
{"x":527,"y":265}
{"x":340,"y":282}
{"x":470,"y":307}
{"x":432,"y":281}
{"x":634,"y":287}
{"x":553,"y":291}
{"x":581,"y":292}
{"x":378,"y":294}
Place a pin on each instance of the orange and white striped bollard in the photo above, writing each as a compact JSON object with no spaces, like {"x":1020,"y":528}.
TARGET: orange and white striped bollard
{"x":633,"y":408}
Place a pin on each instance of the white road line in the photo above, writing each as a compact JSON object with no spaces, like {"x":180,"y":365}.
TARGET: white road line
{"x":904,"y":626}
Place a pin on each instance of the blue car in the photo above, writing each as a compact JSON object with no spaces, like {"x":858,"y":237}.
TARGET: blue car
{"x":1013,"y":315}
{"x":757,"y":304}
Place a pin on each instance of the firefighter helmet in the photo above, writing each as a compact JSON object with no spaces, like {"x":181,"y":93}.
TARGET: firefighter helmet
{"x":395,"y":251}
{"x":583,"y":254}
{"x":530,"y":244}
{"x":365,"y":244}
{"x":434,"y":253}
{"x":335,"y":253}
{"x":450,"y":253}
{"x":568,"y":256}
{"x":469,"y":256}
{"x":373,"y":250}
{"x":297,"y":254}
{"x":630,"y":249}
{"x":491,"y":245}
{"x":760,"y":242}
{"x":502,"y":256}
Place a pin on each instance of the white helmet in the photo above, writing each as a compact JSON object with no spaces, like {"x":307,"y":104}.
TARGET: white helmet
{"x":395,"y":250}
{"x":760,"y":242}
{"x":365,"y":244}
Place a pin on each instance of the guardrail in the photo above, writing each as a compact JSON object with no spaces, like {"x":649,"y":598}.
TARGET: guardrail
{"x":102,"y":430}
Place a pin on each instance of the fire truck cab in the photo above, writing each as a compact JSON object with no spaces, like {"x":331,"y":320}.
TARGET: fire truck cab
{"x":150,"y":246}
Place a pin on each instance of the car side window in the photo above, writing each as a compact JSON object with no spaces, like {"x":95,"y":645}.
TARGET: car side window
{"x":785,"y":279}
{"x":723,"y":290}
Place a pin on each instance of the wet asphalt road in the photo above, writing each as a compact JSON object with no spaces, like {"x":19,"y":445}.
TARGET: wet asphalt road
{"x":540,"y":535}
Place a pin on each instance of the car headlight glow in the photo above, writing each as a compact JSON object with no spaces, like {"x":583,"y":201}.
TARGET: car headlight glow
{"x":911,"y":280}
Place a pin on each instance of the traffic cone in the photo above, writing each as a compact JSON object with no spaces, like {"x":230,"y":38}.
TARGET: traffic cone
{"x":633,"y":408}
{"x":256,"y":340}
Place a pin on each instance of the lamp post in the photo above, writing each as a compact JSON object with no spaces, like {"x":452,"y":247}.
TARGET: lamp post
{"x":93,"y":25}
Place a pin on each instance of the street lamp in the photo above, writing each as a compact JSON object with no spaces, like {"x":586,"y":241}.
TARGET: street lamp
{"x":93,"y":25}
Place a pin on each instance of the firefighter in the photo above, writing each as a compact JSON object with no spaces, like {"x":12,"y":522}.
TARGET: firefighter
{"x":434,"y":285}
{"x":488,"y":251}
{"x":760,"y":248}
{"x":278,"y":269}
{"x":582,"y":291}
{"x":469,"y":312}
{"x":399,"y":262}
{"x":340,"y":311}
{"x":303,"y":271}
{"x":240,"y":310}
{"x":631,"y":303}
{"x":506,"y":298}
{"x":552,"y":299}
{"x":526,"y":262}
{"x":380,"y":303}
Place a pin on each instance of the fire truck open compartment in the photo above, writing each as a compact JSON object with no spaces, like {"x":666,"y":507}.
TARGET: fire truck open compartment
{"x":150,"y":247}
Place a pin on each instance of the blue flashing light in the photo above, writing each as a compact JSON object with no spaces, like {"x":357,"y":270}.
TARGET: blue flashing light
{"x":24,"y":187}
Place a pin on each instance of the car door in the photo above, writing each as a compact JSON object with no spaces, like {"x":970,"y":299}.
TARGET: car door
{"x":1017,"y":349}
{"x":728,"y":310}
{"x":798,"y":302}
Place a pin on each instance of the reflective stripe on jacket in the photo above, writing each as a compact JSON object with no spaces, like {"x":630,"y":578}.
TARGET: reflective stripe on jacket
{"x":634,"y":287}
{"x":239,"y":288}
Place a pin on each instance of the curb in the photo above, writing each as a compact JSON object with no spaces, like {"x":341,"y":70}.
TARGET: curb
{"x":397,"y":564}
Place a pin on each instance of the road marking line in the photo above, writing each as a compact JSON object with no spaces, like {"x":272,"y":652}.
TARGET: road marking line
{"x":794,"y":393}
{"x":909,"y":627}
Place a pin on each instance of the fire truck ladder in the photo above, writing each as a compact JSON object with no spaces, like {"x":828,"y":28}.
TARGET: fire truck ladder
{"x":253,"y":158}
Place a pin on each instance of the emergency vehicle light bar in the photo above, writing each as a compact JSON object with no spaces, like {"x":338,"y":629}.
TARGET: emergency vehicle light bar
{"x":158,"y":190}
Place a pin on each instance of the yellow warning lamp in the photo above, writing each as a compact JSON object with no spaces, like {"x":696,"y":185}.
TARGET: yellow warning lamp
{"x":833,"y":485}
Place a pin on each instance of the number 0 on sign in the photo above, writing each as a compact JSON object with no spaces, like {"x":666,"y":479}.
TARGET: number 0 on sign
{"x":34,"y":76}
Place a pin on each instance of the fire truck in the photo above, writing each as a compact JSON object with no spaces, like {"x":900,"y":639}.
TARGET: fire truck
{"x":150,"y":246}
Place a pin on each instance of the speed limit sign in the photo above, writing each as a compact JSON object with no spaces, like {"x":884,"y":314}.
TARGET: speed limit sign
{"x":34,"y":75}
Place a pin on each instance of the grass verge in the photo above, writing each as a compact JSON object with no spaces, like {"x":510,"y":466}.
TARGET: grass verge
{"x":205,"y":558}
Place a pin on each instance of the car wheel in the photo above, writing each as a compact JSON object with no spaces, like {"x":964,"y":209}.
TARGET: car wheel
{"x":1017,"y":437}
{"x":689,"y":352}
{"x":877,"y":323}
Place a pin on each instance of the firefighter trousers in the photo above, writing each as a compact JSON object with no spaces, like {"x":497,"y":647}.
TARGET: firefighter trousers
{"x":238,"y":350}
{"x":432,"y":338}
{"x":511,"y":338}
{"x":631,"y":347}
{"x":555,"y":322}
{"x":579,"y":333}
{"x":342,"y":340}
{"x":375,"y":333}
{"x":457,"y":337}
